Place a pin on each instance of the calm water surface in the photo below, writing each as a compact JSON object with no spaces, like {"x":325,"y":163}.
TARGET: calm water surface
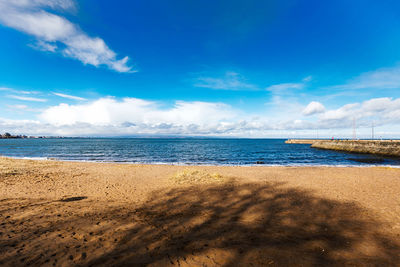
{"x":185,"y":151}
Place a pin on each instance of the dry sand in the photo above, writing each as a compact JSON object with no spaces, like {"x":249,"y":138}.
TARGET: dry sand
{"x":96,"y":214}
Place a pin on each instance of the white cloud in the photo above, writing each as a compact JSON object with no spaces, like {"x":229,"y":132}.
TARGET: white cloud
{"x":384,"y":78}
{"x":132,"y":116}
{"x":283,"y":108}
{"x":381,"y":111}
{"x":55,"y":4}
{"x":6,"y":89}
{"x":50,"y":30}
{"x":284,"y":103}
{"x":27,"y":98}
{"x":344,"y":112}
{"x":282,"y":87}
{"x":70,"y":96}
{"x":230,"y":81}
{"x":109,"y":116}
{"x":21,"y":107}
{"x":276,"y":88}
{"x":142,"y":116}
{"x":106,"y":111}
{"x":313,"y":108}
{"x":43,"y":46}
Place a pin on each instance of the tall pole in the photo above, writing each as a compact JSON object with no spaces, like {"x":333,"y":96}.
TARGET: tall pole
{"x":373,"y":130}
{"x":354,"y":128}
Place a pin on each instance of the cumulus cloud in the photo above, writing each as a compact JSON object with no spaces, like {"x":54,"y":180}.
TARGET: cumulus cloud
{"x":381,"y":111}
{"x":313,"y":108}
{"x":230,"y":81}
{"x":57,"y":34}
{"x":70,"y":96}
{"x":133,"y":116}
{"x":344,"y":112}
{"x":106,"y":111}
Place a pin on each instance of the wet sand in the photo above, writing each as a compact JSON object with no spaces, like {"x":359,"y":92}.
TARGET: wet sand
{"x":97,"y":214}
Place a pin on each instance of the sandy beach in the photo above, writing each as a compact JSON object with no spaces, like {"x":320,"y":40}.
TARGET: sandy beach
{"x":102,"y":214}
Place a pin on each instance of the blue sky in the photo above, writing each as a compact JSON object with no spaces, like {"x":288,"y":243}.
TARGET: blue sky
{"x":216,"y":68}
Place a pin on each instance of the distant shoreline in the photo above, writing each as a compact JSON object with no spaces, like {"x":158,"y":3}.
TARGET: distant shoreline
{"x":287,"y":140}
{"x":9,"y":136}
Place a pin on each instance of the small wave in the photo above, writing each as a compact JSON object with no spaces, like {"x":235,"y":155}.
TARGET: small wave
{"x":30,"y":158}
{"x":209,"y":164}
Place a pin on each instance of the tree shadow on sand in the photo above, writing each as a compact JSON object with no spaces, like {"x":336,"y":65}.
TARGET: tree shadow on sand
{"x":250,"y":224}
{"x":206,"y":225}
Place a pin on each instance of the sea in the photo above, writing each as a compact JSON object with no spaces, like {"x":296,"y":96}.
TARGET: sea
{"x":186,"y":151}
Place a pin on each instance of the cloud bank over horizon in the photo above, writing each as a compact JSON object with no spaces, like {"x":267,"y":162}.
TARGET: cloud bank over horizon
{"x":109,"y":116}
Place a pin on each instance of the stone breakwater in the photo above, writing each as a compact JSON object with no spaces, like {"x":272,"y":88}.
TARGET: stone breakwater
{"x":377,"y":147}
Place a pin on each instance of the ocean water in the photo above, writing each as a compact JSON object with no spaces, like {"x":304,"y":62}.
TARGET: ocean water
{"x":186,"y":151}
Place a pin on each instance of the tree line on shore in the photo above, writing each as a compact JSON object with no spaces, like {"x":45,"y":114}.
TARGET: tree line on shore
{"x":8,"y":135}
{"x":20,"y":136}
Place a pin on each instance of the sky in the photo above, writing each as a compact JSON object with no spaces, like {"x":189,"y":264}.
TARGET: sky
{"x":200,"y":68}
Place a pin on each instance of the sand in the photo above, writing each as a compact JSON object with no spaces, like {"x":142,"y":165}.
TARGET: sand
{"x":102,"y":214}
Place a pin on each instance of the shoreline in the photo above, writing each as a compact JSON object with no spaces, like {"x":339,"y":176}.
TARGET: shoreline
{"x":305,"y":165}
{"x":85,"y":213}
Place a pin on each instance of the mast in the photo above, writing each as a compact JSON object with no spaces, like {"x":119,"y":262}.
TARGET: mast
{"x":372,"y":133}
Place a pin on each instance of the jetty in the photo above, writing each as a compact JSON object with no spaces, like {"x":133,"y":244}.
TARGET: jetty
{"x":376,"y":147}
